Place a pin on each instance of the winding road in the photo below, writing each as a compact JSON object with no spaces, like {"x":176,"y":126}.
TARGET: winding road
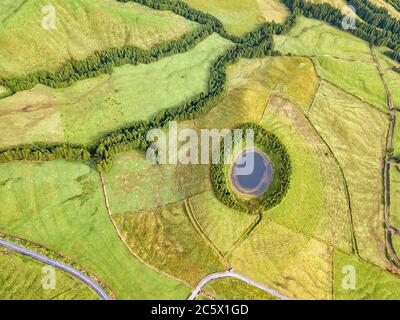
{"x":232,"y":274}
{"x":57,"y":264}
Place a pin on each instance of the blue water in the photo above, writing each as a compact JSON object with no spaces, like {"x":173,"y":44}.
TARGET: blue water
{"x":257,"y":178}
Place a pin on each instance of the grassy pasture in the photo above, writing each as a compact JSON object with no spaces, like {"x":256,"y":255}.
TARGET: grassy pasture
{"x":238,"y":16}
{"x":316,"y":202}
{"x":396,"y":151}
{"x":273,"y":10}
{"x":166,"y":239}
{"x":60,"y":205}
{"x":371,"y":282}
{"x":223,"y":225}
{"x":395,"y":196}
{"x":134,"y":184}
{"x":358,"y":78}
{"x":88,"y":109}
{"x":21,"y":279}
{"x":284,"y":260}
{"x":252,"y":82}
{"x":234,"y":289}
{"x":356,"y":133}
{"x":82,"y":27}
{"x":311,"y":37}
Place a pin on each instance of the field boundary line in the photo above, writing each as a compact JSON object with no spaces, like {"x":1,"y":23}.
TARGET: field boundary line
{"x":126,"y":244}
{"x":345,"y":91}
{"x":199,"y":229}
{"x":246,"y":234}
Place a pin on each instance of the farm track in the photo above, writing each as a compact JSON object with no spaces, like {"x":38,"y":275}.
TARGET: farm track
{"x":57,"y":264}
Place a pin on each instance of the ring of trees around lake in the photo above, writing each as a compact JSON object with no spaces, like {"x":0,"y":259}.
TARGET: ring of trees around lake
{"x":276,"y":152}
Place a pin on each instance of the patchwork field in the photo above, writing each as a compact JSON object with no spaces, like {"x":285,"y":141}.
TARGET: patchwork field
{"x":166,"y":239}
{"x":234,"y":289}
{"x":356,"y":134}
{"x":82,"y":27}
{"x":222,"y":225}
{"x":134,"y":184}
{"x":358,"y":78}
{"x":289,"y":262}
{"x":90,"y":108}
{"x":60,"y":205}
{"x":252,"y":82}
{"x":21,"y":279}
{"x":370,"y":282}
{"x":316,"y":203}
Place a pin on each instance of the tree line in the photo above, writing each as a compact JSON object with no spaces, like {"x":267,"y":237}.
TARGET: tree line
{"x":271,"y":145}
{"x":105,"y":61}
{"x":45,"y":152}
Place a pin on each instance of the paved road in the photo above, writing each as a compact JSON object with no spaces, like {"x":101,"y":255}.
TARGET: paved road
{"x":57,"y":264}
{"x":235,"y":275}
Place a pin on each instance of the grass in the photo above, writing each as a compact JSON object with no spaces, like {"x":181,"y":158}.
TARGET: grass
{"x":223,"y":225}
{"x":8,"y":8}
{"x":289,"y":262}
{"x":396,"y":151}
{"x":338,"y":4}
{"x":395,"y":196}
{"x":238,"y":16}
{"x":82,"y":27}
{"x":315,"y":38}
{"x":273,"y":10}
{"x":252,"y":82}
{"x":371,"y":282}
{"x":21,"y":279}
{"x":166,"y":239}
{"x":60,"y":205}
{"x":383,"y":4}
{"x":87,"y":110}
{"x":135,"y":184}
{"x":234,"y":289}
{"x":316,"y":202}
{"x":356,"y":133}
{"x":358,"y":78}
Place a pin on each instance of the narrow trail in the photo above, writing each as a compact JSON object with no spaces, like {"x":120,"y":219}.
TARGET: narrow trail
{"x":388,"y":230}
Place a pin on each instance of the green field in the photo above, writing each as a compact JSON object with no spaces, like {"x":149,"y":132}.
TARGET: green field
{"x":251,"y":83}
{"x":284,"y":260}
{"x":395,"y":196}
{"x":358,"y":78}
{"x":60,"y":205}
{"x":222,"y":225}
{"x":315,"y":38}
{"x":316,"y":202}
{"x":90,"y":108}
{"x":21,"y":279}
{"x":166,"y":239}
{"x":134,"y":184}
{"x":238,"y":16}
{"x":234,"y":289}
{"x":371,"y":283}
{"x":356,"y":133}
{"x":82,"y":27}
